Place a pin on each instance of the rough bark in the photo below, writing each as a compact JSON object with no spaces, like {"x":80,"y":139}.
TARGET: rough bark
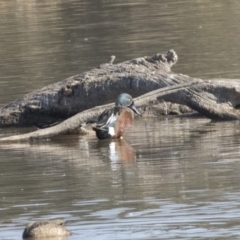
{"x":74,"y":124}
{"x":216,"y":99}
{"x":98,"y":86}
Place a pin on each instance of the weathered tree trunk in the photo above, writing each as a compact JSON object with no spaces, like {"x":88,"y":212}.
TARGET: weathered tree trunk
{"x":216,"y":99}
{"x":98,"y":86}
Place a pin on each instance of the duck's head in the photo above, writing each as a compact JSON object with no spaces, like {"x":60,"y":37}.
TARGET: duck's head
{"x":126,"y":100}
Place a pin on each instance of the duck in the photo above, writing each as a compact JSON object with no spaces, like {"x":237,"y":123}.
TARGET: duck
{"x":114,"y":122}
{"x":46,"y":228}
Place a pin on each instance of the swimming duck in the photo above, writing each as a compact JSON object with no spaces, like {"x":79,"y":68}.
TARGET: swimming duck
{"x":114,"y":122}
{"x":49,"y":228}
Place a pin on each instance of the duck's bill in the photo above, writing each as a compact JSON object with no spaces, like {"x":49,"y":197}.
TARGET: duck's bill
{"x":133,"y":107}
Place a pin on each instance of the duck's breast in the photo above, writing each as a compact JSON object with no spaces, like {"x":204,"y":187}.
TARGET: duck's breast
{"x":124,"y":121}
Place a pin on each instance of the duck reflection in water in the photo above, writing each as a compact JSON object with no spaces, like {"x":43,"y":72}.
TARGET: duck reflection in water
{"x":117,"y":151}
{"x":114,"y":122}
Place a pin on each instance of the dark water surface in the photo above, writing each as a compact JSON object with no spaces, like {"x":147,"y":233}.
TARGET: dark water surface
{"x":170,"y":178}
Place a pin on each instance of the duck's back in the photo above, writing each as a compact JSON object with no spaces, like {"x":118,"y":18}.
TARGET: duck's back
{"x":52,"y":228}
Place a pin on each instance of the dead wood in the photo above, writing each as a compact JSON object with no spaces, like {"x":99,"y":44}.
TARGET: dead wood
{"x":216,"y":99}
{"x":74,"y":123}
{"x":220,"y":110}
{"x":98,"y":86}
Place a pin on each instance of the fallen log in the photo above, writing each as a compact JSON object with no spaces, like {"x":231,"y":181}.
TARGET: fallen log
{"x":216,"y":99}
{"x":75,"y":123}
{"x":98,"y":86}
{"x":188,"y":96}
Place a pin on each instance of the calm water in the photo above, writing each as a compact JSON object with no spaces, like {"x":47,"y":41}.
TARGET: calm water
{"x":175,"y":178}
{"x":43,"y":42}
{"x":169,"y":179}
